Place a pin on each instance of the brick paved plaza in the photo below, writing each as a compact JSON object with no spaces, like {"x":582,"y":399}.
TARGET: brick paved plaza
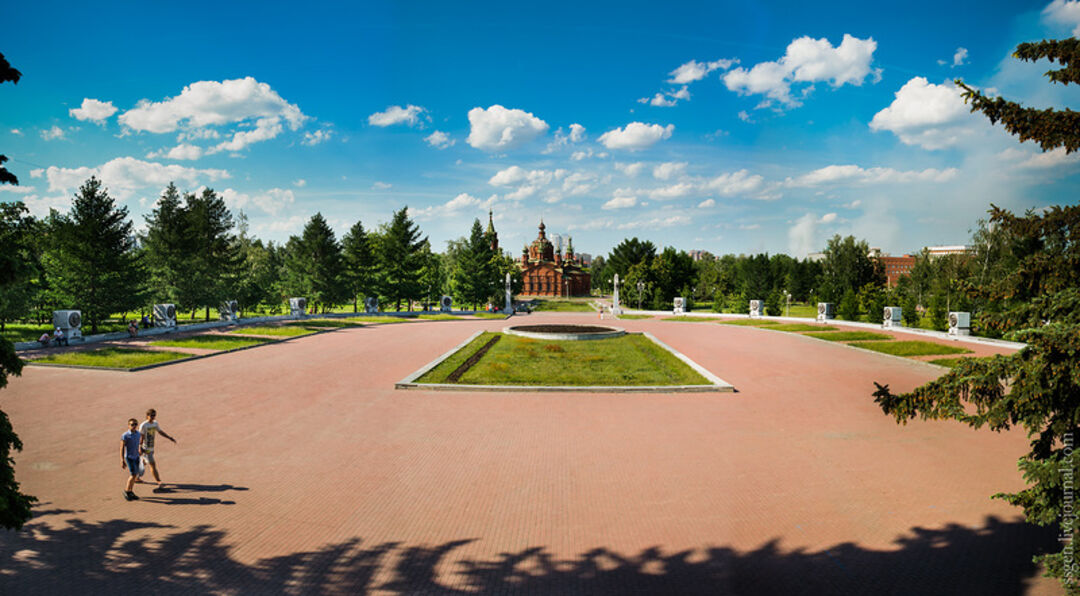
{"x":300,"y":469}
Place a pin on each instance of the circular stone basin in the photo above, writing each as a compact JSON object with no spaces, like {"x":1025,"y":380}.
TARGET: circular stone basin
{"x":565,"y":332}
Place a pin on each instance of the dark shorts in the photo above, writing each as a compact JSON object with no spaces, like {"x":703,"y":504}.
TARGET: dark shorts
{"x":133,"y":465}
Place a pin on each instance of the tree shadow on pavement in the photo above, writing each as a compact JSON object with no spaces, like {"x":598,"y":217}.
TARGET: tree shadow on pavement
{"x":100,"y":558}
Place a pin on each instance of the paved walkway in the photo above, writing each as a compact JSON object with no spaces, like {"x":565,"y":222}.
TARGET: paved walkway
{"x":300,"y":469}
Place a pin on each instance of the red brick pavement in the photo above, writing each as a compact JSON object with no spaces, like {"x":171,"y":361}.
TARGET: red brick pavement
{"x":300,"y":469}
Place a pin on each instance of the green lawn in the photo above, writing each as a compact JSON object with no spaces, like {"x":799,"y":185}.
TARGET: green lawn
{"x":849,"y":335}
{"x":562,"y":306}
{"x":630,"y":360}
{"x":685,"y":319}
{"x":490,"y":315}
{"x":796,"y":327}
{"x":748,"y":322}
{"x":910,"y":348}
{"x":209,"y":342}
{"x":338,"y":323}
{"x":635,"y":317}
{"x":441,"y":317}
{"x":274,"y":331}
{"x":113,"y":357}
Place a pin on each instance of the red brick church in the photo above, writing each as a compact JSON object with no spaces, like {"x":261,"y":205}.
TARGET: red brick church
{"x":550,"y":273}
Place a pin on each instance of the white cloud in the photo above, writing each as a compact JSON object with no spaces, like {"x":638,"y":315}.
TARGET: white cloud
{"x":53,"y":133}
{"x":93,"y":110}
{"x":198,"y":134}
{"x":656,"y":222}
{"x":658,"y":100}
{"x":749,"y":226}
{"x":630,"y":169}
{"x":827,"y":218}
{"x":669,"y":169}
{"x":16,"y":190}
{"x":500,"y":129}
{"x":806,"y":60}
{"x":381,"y":185}
{"x":271,"y":201}
{"x":620,"y":202}
{"x":695,"y":71}
{"x":579,"y":183}
{"x":587,"y":153}
{"x":125,"y":175}
{"x":300,"y":183}
{"x":439,"y":140}
{"x":577,"y":133}
{"x":839,"y":174}
{"x":265,"y":129}
{"x":283,"y":225}
{"x":1038,"y":160}
{"x":733,"y":183}
{"x":515,"y":175}
{"x":461,"y":202}
{"x":319,"y":136}
{"x":212,"y":103}
{"x":672,"y":192}
{"x":1064,"y":12}
{"x":636,"y":136}
{"x":408,"y":115}
{"x":706,"y":204}
{"x":852,"y":205}
{"x":16,"y":132}
{"x":928,"y":115}
{"x":803,"y":236}
{"x":37,"y":173}
{"x":960,"y":57}
{"x":39,"y":206}
{"x":182,"y":151}
{"x":744,"y":116}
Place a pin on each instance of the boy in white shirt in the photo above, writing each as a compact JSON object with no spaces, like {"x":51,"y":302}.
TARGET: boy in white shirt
{"x":149,"y":429}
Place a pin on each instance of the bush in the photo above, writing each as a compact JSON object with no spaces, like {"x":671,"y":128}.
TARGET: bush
{"x":910,"y":312}
{"x":849,"y":306}
{"x":939,"y":319}
{"x":774,"y":304}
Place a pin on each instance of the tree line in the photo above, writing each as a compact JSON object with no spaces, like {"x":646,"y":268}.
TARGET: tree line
{"x":196,"y":254}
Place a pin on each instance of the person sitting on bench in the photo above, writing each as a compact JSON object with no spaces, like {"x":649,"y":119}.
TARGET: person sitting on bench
{"x":44,"y":339}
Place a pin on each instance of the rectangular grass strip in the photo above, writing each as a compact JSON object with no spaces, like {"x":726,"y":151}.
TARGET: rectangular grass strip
{"x":209,"y":342}
{"x":801,"y":327}
{"x":443,"y":370}
{"x":274,"y":331}
{"x":440,"y":317}
{"x":683,"y":319}
{"x":490,"y":315}
{"x":563,"y":306}
{"x":748,"y":322}
{"x":465,"y":366}
{"x":113,"y":357}
{"x":851,"y":336}
{"x":910,"y":348}
{"x":634,"y":317}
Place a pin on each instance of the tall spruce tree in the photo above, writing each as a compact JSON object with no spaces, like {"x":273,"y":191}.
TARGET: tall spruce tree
{"x":314,"y":266}
{"x":399,"y":253}
{"x":474,"y":273}
{"x":1038,"y":302}
{"x":358,"y":260}
{"x":213,"y":259}
{"x":167,"y":245}
{"x":95,"y":266}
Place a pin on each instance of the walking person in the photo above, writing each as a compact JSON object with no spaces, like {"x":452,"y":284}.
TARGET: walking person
{"x":149,"y":430}
{"x":129,"y":451}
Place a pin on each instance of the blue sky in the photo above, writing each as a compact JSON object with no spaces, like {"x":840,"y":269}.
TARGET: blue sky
{"x":726,"y":126}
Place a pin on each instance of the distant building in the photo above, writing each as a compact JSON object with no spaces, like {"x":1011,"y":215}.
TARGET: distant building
{"x":895,"y":267}
{"x":698,"y":255}
{"x":547,"y":272}
{"x":940,"y":251}
{"x":816,"y":257}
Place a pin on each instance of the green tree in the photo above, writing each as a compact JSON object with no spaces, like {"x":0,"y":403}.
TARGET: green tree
{"x":167,"y":245}
{"x":910,"y":311}
{"x":399,"y":254}
{"x":626,"y":254}
{"x":433,"y":277}
{"x":849,"y":306}
{"x":358,"y":262}
{"x":95,"y":266}
{"x":213,"y":260}
{"x":313,"y":265}
{"x":18,"y":264}
{"x":1037,"y":302}
{"x":475,"y":274}
{"x":847,"y":266}
{"x":774,"y":304}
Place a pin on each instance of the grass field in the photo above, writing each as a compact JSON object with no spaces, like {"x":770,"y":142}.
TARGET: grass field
{"x":490,"y":315}
{"x":274,"y":331}
{"x":797,"y":327}
{"x":749,"y":322}
{"x":910,"y":348}
{"x":113,"y":357}
{"x":209,"y":342}
{"x":849,"y":336}
{"x":562,"y":306}
{"x":440,"y":317}
{"x":635,"y":317}
{"x":630,"y":360}
{"x":686,"y":319}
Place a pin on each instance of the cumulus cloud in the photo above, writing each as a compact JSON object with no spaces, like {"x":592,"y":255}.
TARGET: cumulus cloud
{"x":668,"y":170}
{"x":706,"y":204}
{"x":960,"y":57}
{"x":562,"y":139}
{"x":125,"y":175}
{"x":620,"y":201}
{"x":674,"y":191}
{"x":461,"y":202}
{"x":927,"y":115}
{"x":409,"y":115}
{"x":182,"y":151}
{"x":265,"y":129}
{"x":381,"y":186}
{"x":695,"y":71}
{"x":17,"y":132}
{"x":630,"y":169}
{"x":300,"y":183}
{"x":515,"y":175}
{"x":656,"y":222}
{"x":271,"y":201}
{"x":52,"y":134}
{"x":579,"y":183}
{"x":827,"y":218}
{"x":806,"y":60}
{"x":803,"y":236}
{"x":734,"y":183}
{"x":213,"y":103}
{"x":439,"y":140}
{"x":93,"y":110}
{"x":841,"y":174}
{"x":499,"y":129}
{"x":636,"y":136}
{"x":1038,"y":160}
{"x":1064,"y":12}
{"x":313,"y":138}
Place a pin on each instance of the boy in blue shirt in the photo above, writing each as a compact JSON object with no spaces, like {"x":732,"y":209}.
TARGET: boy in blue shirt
{"x":129,"y":450}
